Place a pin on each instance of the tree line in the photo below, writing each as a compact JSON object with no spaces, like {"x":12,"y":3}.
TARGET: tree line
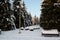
{"x":15,"y":17}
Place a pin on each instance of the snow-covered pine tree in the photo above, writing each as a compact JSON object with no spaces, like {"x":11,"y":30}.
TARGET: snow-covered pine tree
{"x":21,"y":14}
{"x":27,"y":19}
{"x":6,"y":15}
{"x":17,"y":12}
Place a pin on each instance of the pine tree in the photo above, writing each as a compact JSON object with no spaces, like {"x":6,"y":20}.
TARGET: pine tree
{"x":6,"y":15}
{"x":49,"y":18}
{"x":17,"y":12}
{"x":3,"y":14}
{"x":21,"y":14}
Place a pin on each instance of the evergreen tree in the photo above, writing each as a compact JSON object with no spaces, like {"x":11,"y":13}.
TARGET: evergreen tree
{"x":6,"y":15}
{"x":26,"y":17}
{"x":49,"y":18}
{"x":17,"y":12}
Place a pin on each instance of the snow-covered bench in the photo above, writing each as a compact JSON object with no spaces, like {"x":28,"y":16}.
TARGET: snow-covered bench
{"x":27,"y":28}
{"x":31,"y":28}
{"x":21,"y":28}
{"x":53,"y":32}
{"x":36,"y":28}
{"x":0,"y":31}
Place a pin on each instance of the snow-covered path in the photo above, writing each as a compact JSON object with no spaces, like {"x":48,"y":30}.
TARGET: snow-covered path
{"x":25,"y":35}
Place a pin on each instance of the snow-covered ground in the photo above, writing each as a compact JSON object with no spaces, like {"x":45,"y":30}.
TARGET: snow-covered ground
{"x":25,"y":35}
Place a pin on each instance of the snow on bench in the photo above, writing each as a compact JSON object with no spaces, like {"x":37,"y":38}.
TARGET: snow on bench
{"x":27,"y":28}
{"x":21,"y":28}
{"x":53,"y":32}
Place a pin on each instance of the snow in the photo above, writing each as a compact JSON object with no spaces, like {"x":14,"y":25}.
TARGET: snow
{"x":25,"y":35}
{"x":33,"y":27}
{"x":52,"y":31}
